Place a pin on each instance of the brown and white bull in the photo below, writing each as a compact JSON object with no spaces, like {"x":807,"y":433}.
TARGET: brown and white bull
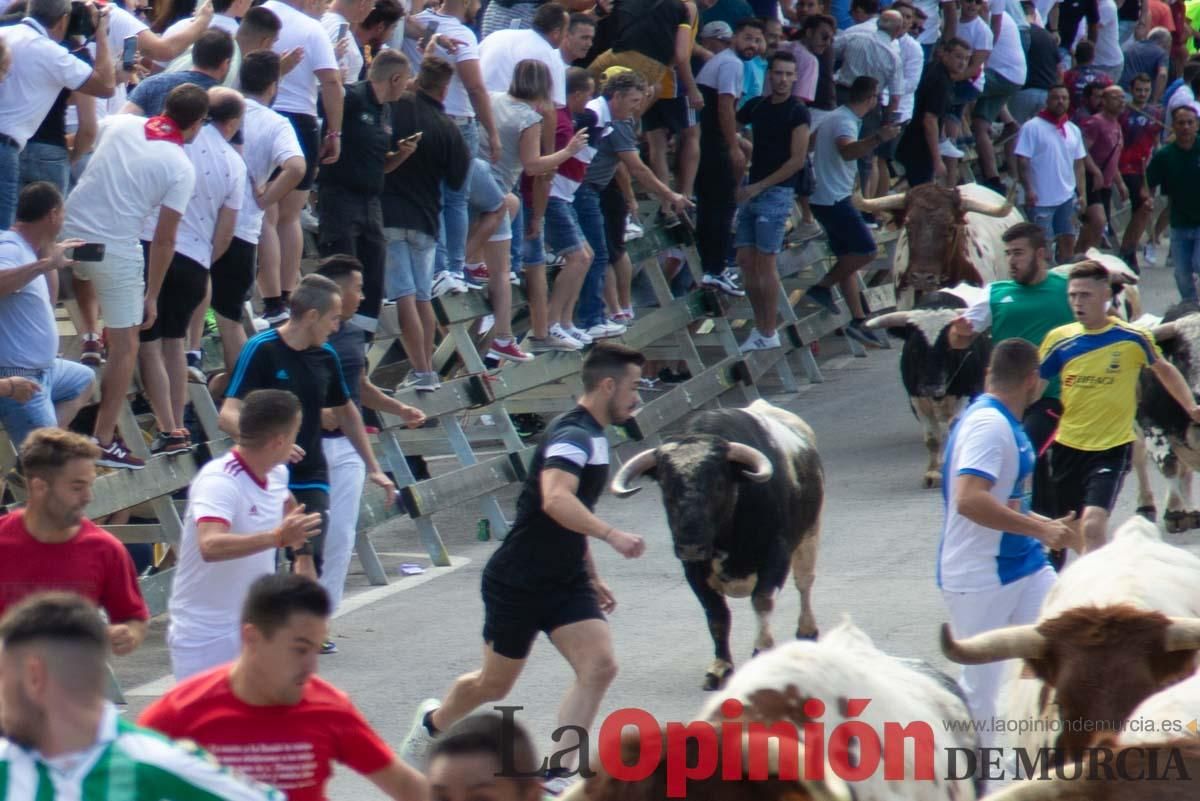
{"x":948,"y":237}
{"x":773,"y":688}
{"x":1120,"y":624}
{"x":743,"y":490}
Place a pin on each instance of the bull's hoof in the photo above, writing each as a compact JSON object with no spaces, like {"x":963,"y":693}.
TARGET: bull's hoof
{"x":1193,"y":520}
{"x":714,"y":682}
{"x":1148,"y":512}
{"x":804,"y":635}
{"x":1177,"y":520}
{"x":932,"y":479}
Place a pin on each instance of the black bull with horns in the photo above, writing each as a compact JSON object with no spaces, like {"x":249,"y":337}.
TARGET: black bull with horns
{"x":743,"y":490}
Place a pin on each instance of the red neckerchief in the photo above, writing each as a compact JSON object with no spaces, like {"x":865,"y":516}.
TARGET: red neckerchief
{"x":1058,"y":122}
{"x":163,"y":128}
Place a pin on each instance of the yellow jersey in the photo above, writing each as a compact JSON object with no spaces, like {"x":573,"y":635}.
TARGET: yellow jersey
{"x":1099,"y":371}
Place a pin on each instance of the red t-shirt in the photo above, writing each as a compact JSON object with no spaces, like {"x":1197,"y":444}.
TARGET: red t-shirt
{"x":93,"y":564}
{"x":289,"y":747}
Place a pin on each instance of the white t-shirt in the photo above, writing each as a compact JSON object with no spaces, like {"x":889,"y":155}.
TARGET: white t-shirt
{"x":1108,"y":38}
{"x":351,"y":61}
{"x":298,"y":89}
{"x":978,"y":34}
{"x":987,"y":442}
{"x":458,"y":103}
{"x":221,"y":22}
{"x":220,"y":182}
{"x":1008,"y":57}
{"x":1044,"y":7}
{"x":933,"y":20}
{"x":1055,"y":155}
{"x":914,"y":64}
{"x":40,"y":70}
{"x":268,"y":141}
{"x":207,"y":597}
{"x":127,"y":179}
{"x":500,"y":52}
{"x":121,"y":25}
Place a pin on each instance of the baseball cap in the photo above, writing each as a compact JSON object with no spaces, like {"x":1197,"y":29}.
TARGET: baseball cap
{"x":717,"y":30}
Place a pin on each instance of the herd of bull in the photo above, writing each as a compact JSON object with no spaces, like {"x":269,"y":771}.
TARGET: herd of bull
{"x":1111,"y":660}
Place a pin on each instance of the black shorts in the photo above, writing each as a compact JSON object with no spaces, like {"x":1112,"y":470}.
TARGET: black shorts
{"x":1099,"y":197}
{"x":314,"y":500}
{"x":670,"y":113}
{"x":1135,"y":184}
{"x":308,"y":131}
{"x":183,"y":289}
{"x":513,"y":616}
{"x":612,"y":206}
{"x":1087,"y":478}
{"x":233,"y":279}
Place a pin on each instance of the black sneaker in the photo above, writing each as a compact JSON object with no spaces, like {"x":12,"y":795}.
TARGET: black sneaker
{"x":823,"y":297}
{"x":857,"y":329}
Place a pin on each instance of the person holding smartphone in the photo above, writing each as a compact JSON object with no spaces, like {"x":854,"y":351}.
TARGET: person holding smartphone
{"x":340,"y":22}
{"x":37,"y":389}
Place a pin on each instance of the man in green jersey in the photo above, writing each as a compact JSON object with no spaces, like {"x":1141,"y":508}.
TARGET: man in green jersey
{"x":63,"y":740}
{"x":1028,"y":307}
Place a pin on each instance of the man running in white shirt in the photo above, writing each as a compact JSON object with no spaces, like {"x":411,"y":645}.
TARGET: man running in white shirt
{"x":234,"y":524}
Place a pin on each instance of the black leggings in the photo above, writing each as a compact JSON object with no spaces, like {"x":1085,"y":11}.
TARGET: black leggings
{"x":314,"y":500}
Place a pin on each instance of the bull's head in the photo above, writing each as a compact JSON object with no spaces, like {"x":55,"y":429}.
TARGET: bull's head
{"x":699,"y":476}
{"x":929,"y":362}
{"x":935,"y":222}
{"x":1101,"y":662}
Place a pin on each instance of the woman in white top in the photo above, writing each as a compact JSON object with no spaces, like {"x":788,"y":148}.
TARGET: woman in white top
{"x":518,"y":115}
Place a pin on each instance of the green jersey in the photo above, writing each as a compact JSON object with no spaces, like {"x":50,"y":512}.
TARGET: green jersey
{"x":127,"y":763}
{"x":1024,"y":312}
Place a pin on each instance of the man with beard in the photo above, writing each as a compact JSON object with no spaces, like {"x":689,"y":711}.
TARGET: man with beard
{"x":992,"y":569}
{"x":1026,"y":307}
{"x":269,"y":716}
{"x":543,"y":578}
{"x":50,"y":545}
{"x":63,"y":739}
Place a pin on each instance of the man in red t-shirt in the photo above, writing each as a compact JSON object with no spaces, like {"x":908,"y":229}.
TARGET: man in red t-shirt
{"x":49,"y":545}
{"x":1104,"y":140}
{"x":268,"y":715}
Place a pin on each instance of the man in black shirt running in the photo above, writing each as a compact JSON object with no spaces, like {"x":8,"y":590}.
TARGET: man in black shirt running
{"x":542,"y":578}
{"x":297,"y":357}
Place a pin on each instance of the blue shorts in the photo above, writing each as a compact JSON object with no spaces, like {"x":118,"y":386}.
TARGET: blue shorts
{"x":848,"y":234}
{"x":561,"y":229}
{"x":761,"y":222}
{"x":62,"y":381}
{"x":533,"y":248}
{"x":410,"y":260}
{"x":1054,"y":220}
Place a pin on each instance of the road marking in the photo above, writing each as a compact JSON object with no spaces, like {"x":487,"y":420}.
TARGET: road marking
{"x":160,"y":685}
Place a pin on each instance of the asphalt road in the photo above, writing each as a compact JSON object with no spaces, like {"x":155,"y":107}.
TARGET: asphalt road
{"x":405,"y":642}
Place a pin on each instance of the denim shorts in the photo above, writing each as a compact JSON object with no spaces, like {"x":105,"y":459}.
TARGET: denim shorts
{"x":1055,"y":220}
{"x":533,"y":248}
{"x":61,"y":381}
{"x":561,"y":228}
{"x":409,"y":263}
{"x":761,"y":221}
{"x":848,"y":234}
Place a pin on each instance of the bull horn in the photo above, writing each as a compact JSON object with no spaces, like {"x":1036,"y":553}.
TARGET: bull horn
{"x":1183,"y":634}
{"x":991,"y":210}
{"x":1011,"y":642}
{"x":1164,"y":331}
{"x":631,"y":470}
{"x":877,"y":205}
{"x":897,"y":319}
{"x":760,"y":466}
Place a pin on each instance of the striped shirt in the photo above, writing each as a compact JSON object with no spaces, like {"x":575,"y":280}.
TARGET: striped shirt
{"x":127,"y":763}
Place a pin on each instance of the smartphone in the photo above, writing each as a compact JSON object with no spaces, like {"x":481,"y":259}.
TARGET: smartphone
{"x":93,"y":251}
{"x":412,"y":138}
{"x":343,"y":29}
{"x":129,"y":54}
{"x":430,"y":30}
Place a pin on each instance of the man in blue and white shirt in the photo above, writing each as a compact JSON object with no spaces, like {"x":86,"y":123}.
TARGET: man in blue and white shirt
{"x":992,"y":567}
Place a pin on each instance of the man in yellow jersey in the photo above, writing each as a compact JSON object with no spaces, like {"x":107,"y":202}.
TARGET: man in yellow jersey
{"x":1099,"y":359}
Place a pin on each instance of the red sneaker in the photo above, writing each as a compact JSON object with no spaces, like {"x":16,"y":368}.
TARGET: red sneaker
{"x":509,"y":350}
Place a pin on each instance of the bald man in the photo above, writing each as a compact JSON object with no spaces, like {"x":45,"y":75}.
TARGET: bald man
{"x":204,"y":233}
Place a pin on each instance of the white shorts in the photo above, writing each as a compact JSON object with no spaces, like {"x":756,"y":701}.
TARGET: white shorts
{"x":191,"y":657}
{"x":121,"y":287}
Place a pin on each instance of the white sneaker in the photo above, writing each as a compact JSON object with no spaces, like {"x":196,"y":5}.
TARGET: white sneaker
{"x":808,"y":230}
{"x":949,"y":150}
{"x":558,"y":340}
{"x":445,"y":281}
{"x":558,"y":331}
{"x":309,"y":221}
{"x":415,"y":748}
{"x":576,"y":333}
{"x":633,"y":228}
{"x":605,"y":330}
{"x":1151,"y":253}
{"x":486,"y":322}
{"x":757,"y":341}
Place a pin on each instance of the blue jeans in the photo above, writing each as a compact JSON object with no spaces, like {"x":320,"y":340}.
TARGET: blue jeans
{"x":10,"y":184}
{"x":452,"y":235}
{"x":761,"y":221}
{"x":61,"y":382}
{"x":1056,"y":221}
{"x":43,"y":162}
{"x":590,"y":309}
{"x":409,"y":264}
{"x":1186,"y":255}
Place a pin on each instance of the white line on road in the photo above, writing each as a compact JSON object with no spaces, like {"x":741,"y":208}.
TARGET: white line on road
{"x":160,"y":685}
